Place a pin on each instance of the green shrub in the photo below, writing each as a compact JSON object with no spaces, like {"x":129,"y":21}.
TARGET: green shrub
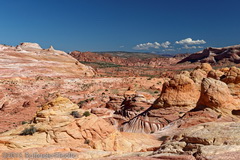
{"x":80,"y":104}
{"x":28,"y":131}
{"x":86,"y":113}
{"x":75,"y":114}
{"x":90,"y":99}
{"x":24,"y":122}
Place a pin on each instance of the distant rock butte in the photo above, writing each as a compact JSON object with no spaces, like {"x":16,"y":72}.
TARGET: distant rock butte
{"x":30,"y":60}
{"x":215,"y":55}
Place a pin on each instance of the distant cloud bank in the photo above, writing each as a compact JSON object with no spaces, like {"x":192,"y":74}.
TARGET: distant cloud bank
{"x":186,"y":44}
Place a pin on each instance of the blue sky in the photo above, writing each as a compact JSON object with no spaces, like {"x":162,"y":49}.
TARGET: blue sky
{"x":174,"y":26}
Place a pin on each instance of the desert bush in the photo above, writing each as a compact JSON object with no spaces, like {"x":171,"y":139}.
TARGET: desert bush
{"x":28,"y":131}
{"x":80,"y":104}
{"x":75,"y":114}
{"x":24,"y":122}
{"x":86,"y":113}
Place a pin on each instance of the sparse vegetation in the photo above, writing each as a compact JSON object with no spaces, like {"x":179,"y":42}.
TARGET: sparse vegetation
{"x":150,"y":78}
{"x":86,"y":113}
{"x":86,"y":86}
{"x":75,"y":114}
{"x":28,"y":131}
{"x":87,"y":141}
{"x":147,"y":75}
{"x":80,"y":104}
{"x":150,"y":91}
{"x":114,"y":91}
{"x":159,"y":82}
{"x":102,"y":64}
{"x":24,"y":122}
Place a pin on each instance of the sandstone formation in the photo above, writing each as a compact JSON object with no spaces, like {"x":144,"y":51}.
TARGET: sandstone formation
{"x":193,"y":115}
{"x":56,"y":126}
{"x":216,"y":95}
{"x":29,"y":46}
{"x":232,"y":76}
{"x":200,"y":72}
{"x":181,"y":100}
{"x":30,"y":60}
{"x":178,"y":92}
{"x":205,"y":141}
{"x":178,"y":96}
{"x":215,"y":55}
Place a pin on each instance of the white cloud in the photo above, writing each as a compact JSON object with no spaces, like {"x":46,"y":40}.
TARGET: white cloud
{"x":191,"y":47}
{"x":155,"y":45}
{"x":189,"y":41}
{"x":165,"y":44}
{"x":121,"y":46}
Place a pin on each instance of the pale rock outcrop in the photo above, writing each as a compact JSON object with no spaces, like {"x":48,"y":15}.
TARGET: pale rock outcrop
{"x":29,"y":46}
{"x":30,"y":60}
{"x":232,"y":76}
{"x":3,"y":47}
{"x":205,"y":141}
{"x":200,"y":72}
{"x":197,"y":75}
{"x":51,"y":48}
{"x":216,"y":74}
{"x":216,"y":95}
{"x":205,"y":67}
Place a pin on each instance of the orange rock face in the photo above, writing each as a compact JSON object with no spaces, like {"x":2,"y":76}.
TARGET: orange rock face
{"x":180,"y":91}
{"x":215,"y":94}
